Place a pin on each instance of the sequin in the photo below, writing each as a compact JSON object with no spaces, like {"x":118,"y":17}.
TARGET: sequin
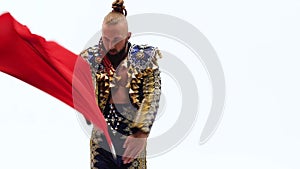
{"x":144,"y":91}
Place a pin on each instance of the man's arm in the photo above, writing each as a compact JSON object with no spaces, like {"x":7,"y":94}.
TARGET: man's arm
{"x":149,"y":106}
{"x":146,"y":114}
{"x":86,"y":55}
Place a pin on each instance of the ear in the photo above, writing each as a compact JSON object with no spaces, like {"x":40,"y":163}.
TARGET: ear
{"x":128,"y":35}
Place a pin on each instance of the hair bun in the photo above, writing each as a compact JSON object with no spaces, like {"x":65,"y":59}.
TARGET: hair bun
{"x":119,"y":7}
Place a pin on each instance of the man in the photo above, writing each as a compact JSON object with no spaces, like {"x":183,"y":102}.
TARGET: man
{"x":127,"y":83}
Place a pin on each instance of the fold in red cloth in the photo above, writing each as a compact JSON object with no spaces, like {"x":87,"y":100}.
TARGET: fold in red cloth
{"x":49,"y":67}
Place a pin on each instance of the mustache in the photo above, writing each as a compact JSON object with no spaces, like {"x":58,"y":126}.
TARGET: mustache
{"x":113,"y":50}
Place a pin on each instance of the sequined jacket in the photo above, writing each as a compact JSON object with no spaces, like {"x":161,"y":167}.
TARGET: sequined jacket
{"x":143,"y":83}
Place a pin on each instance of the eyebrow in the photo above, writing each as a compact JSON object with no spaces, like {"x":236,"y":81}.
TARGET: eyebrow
{"x":114,"y":38}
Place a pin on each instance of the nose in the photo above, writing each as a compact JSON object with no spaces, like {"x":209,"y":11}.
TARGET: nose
{"x":110,"y":45}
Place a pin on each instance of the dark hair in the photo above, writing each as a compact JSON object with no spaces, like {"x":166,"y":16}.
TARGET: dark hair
{"x":119,"y":7}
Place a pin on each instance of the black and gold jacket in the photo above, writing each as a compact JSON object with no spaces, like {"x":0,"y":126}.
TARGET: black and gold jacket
{"x":143,"y":81}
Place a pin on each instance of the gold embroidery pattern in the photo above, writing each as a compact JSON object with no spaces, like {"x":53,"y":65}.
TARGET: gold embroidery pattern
{"x":138,"y":163}
{"x":144,"y":84}
{"x":93,"y":147}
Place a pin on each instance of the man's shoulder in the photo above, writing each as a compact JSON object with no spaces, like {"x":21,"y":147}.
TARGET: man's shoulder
{"x":90,"y":52}
{"x":92,"y":55}
{"x":143,"y":56}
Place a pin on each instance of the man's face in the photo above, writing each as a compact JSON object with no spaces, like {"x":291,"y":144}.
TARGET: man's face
{"x":114,"y":37}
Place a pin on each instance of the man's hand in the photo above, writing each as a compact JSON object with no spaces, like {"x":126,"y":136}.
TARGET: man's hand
{"x":134,"y":145}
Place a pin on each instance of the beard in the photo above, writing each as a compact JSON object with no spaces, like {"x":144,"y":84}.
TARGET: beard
{"x":115,"y":56}
{"x":113,"y":52}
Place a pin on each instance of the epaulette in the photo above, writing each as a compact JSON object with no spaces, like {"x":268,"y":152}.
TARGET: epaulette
{"x":92,"y":55}
{"x":142,"y":57}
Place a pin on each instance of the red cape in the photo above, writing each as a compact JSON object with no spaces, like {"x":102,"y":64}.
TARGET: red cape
{"x":49,"y":67}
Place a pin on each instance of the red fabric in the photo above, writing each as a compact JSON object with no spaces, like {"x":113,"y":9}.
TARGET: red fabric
{"x":49,"y":67}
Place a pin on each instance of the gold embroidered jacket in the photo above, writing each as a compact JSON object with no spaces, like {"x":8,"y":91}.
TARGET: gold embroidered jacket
{"x":143,"y":81}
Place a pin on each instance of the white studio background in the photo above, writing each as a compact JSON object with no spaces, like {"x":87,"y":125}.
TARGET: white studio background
{"x":257,"y":43}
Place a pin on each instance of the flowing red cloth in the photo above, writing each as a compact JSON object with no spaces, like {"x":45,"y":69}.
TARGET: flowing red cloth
{"x":49,"y":67}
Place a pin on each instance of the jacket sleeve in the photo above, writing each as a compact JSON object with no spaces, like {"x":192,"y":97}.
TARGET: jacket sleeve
{"x":151,"y":91}
{"x":87,"y":54}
